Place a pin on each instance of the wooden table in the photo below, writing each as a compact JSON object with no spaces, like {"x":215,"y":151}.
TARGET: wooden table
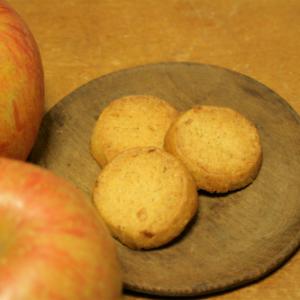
{"x":83,"y":39}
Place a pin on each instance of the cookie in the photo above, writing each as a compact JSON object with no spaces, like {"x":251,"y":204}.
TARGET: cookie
{"x":146,"y":197}
{"x":129,"y":122}
{"x":219,"y":146}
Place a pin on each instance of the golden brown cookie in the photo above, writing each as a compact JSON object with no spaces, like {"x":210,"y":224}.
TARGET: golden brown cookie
{"x":219,"y":146}
{"x":129,"y":122}
{"x":146,"y":197}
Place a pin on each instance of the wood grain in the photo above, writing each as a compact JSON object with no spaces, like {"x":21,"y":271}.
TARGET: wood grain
{"x":236,"y":238}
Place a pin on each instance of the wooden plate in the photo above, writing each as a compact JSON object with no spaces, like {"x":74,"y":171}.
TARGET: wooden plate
{"x":236,"y":238}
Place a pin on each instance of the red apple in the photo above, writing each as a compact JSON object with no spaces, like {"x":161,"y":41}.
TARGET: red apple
{"x":21,"y":86}
{"x":53,"y":245}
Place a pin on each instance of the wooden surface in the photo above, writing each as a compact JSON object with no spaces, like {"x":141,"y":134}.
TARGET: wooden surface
{"x":81,"y":40}
{"x":235,"y":238}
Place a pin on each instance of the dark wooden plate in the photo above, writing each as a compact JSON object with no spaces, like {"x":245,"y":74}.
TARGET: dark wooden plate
{"x":236,"y":238}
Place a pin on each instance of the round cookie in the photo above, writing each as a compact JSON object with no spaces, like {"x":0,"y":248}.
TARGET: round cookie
{"x":219,"y":146}
{"x":146,"y":197}
{"x":129,"y":122}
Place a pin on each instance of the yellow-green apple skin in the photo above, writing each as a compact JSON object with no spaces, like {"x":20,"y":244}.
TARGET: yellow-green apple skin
{"x":53,"y":245}
{"x":21,"y":86}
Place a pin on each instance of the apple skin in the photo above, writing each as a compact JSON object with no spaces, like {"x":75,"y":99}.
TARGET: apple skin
{"x":21,"y":86}
{"x":53,"y":244}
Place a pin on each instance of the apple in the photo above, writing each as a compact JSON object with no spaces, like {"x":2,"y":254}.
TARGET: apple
{"x":21,"y":86}
{"x":53,"y":244}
